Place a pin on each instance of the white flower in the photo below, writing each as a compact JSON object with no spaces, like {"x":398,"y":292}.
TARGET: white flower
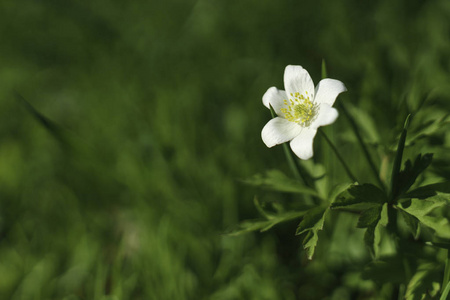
{"x":301,"y":109}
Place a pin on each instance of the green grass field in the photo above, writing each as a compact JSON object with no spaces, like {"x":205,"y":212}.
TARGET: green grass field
{"x":127,"y":129}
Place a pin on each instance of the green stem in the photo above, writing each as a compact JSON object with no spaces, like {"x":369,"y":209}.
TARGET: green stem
{"x":291,"y":162}
{"x":296,"y":170}
{"x":369,"y":159}
{"x":392,"y":223}
{"x":338,"y":155}
{"x":446,"y":279}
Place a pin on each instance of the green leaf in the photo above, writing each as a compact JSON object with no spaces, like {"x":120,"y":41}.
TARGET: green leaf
{"x":425,"y":282}
{"x":409,"y":174}
{"x":369,"y":217}
{"x":384,"y":215}
{"x":398,"y":159}
{"x":312,"y":222}
{"x":264,"y":225}
{"x":429,"y":190}
{"x":429,"y":128}
{"x":373,"y":219}
{"x":446,"y":292}
{"x":276,"y":180}
{"x":337,"y":190}
{"x":360,"y":196}
{"x":369,"y":239}
{"x":421,"y":209}
{"x":411,"y":222}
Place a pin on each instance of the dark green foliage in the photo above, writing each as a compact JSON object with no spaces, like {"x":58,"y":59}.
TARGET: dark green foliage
{"x":412,"y":222}
{"x":429,"y":190}
{"x":311,"y":224}
{"x":385,"y":270}
{"x":126,"y":127}
{"x":411,"y":171}
{"x":422,"y":284}
{"x":360,"y":197}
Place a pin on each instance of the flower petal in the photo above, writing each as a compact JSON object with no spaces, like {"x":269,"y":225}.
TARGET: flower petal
{"x":327,"y":90}
{"x":278,"y":131}
{"x":302,"y":145}
{"x":327,"y":115}
{"x":297,"y":79}
{"x":275,"y":97}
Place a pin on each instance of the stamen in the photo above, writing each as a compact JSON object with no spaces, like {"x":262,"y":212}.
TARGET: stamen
{"x":300,"y":110}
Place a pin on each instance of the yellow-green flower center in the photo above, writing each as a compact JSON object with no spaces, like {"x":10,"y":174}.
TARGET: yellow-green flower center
{"x":300,"y":109}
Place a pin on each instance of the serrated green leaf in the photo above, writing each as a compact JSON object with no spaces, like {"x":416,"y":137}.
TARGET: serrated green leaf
{"x":421,"y":209}
{"x":410,"y":172}
{"x":310,"y":243}
{"x":411,"y":222}
{"x":372,"y":236}
{"x":440,"y":225}
{"x":429,"y":190}
{"x":284,"y":218}
{"x":277,"y":181}
{"x":369,"y":217}
{"x":248,"y":226}
{"x":361,"y":196}
{"x":312,"y":222}
{"x":369,"y":239}
{"x":424,"y":283}
{"x":264,"y":225}
{"x":337,"y":190}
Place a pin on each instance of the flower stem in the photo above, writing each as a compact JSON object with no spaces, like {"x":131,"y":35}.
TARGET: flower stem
{"x":291,"y":162}
{"x":296,"y":170}
{"x":338,"y":155}
{"x":369,"y":159}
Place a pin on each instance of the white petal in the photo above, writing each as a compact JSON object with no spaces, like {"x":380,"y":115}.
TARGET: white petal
{"x":278,"y":131}
{"x":302,"y":145}
{"x":327,"y":115}
{"x":327,"y":90}
{"x":275,"y":97}
{"x":297,"y":79}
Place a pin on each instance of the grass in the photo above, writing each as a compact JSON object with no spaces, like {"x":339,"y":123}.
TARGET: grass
{"x":159,"y":108}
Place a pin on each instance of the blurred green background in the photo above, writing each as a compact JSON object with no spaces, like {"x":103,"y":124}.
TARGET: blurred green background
{"x":121,"y":170}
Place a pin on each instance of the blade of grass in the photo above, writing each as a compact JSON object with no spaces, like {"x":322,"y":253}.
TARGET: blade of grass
{"x":446,"y":279}
{"x":363,"y":145}
{"x":49,"y":125}
{"x":296,"y":170}
{"x":338,"y":155}
{"x":398,"y":160}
